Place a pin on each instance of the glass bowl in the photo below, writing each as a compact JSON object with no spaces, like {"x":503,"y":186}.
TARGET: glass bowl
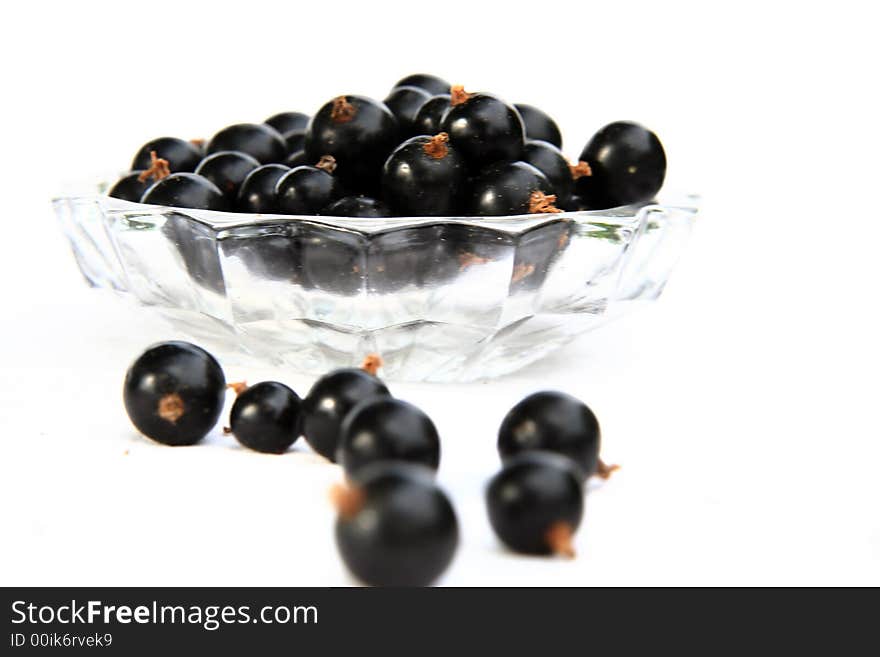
{"x":439,"y":299}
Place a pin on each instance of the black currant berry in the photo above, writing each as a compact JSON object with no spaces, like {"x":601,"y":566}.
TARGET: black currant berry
{"x":395,"y":526}
{"x":186,"y":190}
{"x":295,"y":141}
{"x":360,"y":133}
{"x":307,"y":190}
{"x":539,"y":125}
{"x":330,"y":400}
{"x":357,"y":206}
{"x":554,"y":422}
{"x":575,"y":204}
{"x":510,"y":188}
{"x":628,"y":166}
{"x":429,"y":116}
{"x":258,"y":140}
{"x":536,"y":503}
{"x":287,"y":121}
{"x":388,"y":429}
{"x":405,"y":103}
{"x":181,"y":155}
{"x":550,"y":161}
{"x":430,"y":83}
{"x":174,"y":393}
{"x":297,"y":159}
{"x":257,"y":192}
{"x":424,"y":176}
{"x":483,"y":128}
{"x":265,"y":417}
{"x":227,"y":170}
{"x":131,"y":187}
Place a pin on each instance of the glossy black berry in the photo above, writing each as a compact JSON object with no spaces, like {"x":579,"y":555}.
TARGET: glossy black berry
{"x":388,"y":429}
{"x":430,"y":83}
{"x":554,"y":422}
{"x":131,"y":187}
{"x":330,"y":400}
{"x":357,"y":206}
{"x":536,"y":503}
{"x":539,"y":125}
{"x":265,"y":417}
{"x":483,"y":128}
{"x":180,"y":154}
{"x":227,"y":170}
{"x":395,"y":526}
{"x":307,"y":190}
{"x":295,"y":141}
{"x":258,"y":140}
{"x":257,"y":192}
{"x":298,"y":159}
{"x":424,"y":176}
{"x":360,"y":133}
{"x":287,"y":121}
{"x":428,"y":118}
{"x":405,"y":103}
{"x":174,"y":393}
{"x":550,"y":161}
{"x":508,"y":188}
{"x":575,"y":204}
{"x":186,"y":190}
{"x":628,"y":166}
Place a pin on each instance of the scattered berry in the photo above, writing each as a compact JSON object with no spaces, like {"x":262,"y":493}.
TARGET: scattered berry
{"x":265,"y":417}
{"x":174,"y":393}
{"x":395,"y":526}
{"x":258,"y":140}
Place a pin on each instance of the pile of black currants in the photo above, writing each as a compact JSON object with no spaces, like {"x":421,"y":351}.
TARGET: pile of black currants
{"x":429,"y":149}
{"x":395,"y":526}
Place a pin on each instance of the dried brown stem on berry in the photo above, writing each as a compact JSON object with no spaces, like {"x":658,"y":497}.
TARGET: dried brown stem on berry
{"x":437,"y":147}
{"x":342,"y":111}
{"x":459,"y":95}
{"x":227,"y":431}
{"x":372,"y":363}
{"x":237,"y":387}
{"x":158,"y":169}
{"x":348,"y":500}
{"x":604,"y":470}
{"x":560,"y":539}
{"x":327,"y":163}
{"x":171,"y":408}
{"x":198,"y":143}
{"x":541,"y":203}
{"x":580,"y":170}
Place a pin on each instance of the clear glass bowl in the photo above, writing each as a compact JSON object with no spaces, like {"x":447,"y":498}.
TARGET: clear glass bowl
{"x":450,"y":299}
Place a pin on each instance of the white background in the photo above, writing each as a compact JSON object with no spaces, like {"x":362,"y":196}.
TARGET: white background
{"x":743,"y":405}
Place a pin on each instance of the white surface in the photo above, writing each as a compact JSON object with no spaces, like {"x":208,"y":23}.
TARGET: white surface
{"x":743,"y":406}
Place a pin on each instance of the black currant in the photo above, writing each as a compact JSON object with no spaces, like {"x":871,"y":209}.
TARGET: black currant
{"x":539,"y":125}
{"x":174,"y":393}
{"x":186,"y":190}
{"x":550,"y":161}
{"x":307,"y":190}
{"x":554,"y":422}
{"x":536,"y":503}
{"x":227,"y":170}
{"x":258,"y":140}
{"x":405,"y":103}
{"x":297,"y":159}
{"x":357,"y":206}
{"x":395,"y":526}
{"x":388,"y":429}
{"x":430,"y":114}
{"x":628,"y":165}
{"x":424,"y":176}
{"x":287,"y":121}
{"x":510,"y":188}
{"x":483,"y":128}
{"x":430,"y":83}
{"x":295,"y":141}
{"x":181,"y":155}
{"x":131,"y":187}
{"x":360,"y":133}
{"x":330,"y":400}
{"x":257,"y":192}
{"x":265,"y":417}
